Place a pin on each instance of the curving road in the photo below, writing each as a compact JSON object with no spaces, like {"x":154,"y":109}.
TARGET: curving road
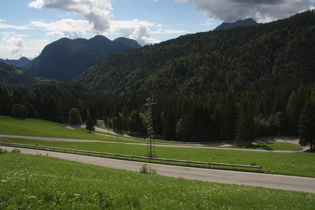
{"x":229,"y":177}
{"x":215,"y":146}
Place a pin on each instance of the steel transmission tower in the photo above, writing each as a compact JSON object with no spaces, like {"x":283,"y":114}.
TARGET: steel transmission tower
{"x":150,"y":130}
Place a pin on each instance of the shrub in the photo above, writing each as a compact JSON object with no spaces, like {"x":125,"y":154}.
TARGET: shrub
{"x":145,"y":169}
{"x":74,"y":117}
{"x":16,"y":151}
{"x":3,"y":151}
{"x":19,"y":111}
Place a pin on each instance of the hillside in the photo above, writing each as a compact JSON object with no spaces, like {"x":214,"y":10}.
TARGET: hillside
{"x":273,"y":54}
{"x":18,"y":63}
{"x":11,"y":75}
{"x":65,"y":59}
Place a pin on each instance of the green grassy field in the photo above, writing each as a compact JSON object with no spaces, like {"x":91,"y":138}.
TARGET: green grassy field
{"x":42,"y":128}
{"x":40,"y":182}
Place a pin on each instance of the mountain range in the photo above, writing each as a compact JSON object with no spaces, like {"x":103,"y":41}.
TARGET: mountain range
{"x":18,"y":63}
{"x":65,"y":59}
{"x":244,"y":58}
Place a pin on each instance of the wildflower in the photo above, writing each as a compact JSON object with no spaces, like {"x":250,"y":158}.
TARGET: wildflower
{"x":23,"y":190}
{"x":3,"y":181}
{"x":32,"y":197}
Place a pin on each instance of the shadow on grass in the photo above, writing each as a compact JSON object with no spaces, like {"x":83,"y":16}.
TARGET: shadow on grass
{"x":259,"y":146}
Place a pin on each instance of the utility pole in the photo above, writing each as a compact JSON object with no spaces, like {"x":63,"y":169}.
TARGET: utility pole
{"x":116,"y":119}
{"x":150,"y":130}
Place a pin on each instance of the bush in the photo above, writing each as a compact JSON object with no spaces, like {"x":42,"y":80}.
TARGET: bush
{"x":19,"y":111}
{"x":74,"y":117}
{"x":16,"y":151}
{"x":3,"y":151}
{"x":145,"y":169}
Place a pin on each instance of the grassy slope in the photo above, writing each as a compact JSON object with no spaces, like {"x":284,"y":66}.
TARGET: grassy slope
{"x":39,"y":182}
{"x":42,"y":128}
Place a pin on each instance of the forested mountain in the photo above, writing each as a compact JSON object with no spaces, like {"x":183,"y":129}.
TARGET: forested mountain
{"x":239,"y":23}
{"x":65,"y":59}
{"x":18,"y":63}
{"x":245,"y":58}
{"x":11,"y":75}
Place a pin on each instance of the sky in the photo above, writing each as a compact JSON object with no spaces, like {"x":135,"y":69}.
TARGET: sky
{"x":27,"y":26}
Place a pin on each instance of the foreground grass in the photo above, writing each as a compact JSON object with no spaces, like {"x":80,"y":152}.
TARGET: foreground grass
{"x":298,"y":164}
{"x":40,"y":182}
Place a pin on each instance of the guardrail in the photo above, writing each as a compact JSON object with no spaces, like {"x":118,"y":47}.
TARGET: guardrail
{"x":119,"y":156}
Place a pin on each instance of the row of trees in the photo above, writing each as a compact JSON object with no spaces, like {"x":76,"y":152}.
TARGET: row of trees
{"x":210,"y":117}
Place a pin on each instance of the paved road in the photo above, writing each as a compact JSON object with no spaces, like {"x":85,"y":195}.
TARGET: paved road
{"x":156,"y":144}
{"x":221,"y":176}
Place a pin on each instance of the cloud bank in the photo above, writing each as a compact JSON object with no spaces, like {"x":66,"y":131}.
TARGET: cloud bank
{"x":260,"y":10}
{"x":13,"y":45}
{"x":97,"y":16}
{"x":64,"y":28}
{"x":96,"y":12}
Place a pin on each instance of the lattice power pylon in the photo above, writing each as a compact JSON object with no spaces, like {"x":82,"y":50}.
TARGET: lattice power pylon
{"x":150,"y":130}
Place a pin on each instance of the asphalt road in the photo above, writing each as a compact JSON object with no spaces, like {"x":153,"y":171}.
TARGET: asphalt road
{"x":221,"y":176}
{"x":155,"y":144}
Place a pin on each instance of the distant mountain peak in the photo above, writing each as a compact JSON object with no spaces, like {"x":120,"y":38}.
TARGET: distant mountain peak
{"x":65,"y":58}
{"x":18,"y":63}
{"x":239,"y":23}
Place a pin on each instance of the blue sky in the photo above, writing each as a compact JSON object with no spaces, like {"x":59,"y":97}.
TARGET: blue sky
{"x":27,"y":26}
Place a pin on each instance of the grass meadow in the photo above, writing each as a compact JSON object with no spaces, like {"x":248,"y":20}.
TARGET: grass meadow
{"x":42,"y":128}
{"x":40,"y":182}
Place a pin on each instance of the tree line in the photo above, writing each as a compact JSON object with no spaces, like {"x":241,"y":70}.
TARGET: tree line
{"x":239,"y":115}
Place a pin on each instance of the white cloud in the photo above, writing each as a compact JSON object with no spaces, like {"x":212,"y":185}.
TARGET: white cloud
{"x":134,"y":29}
{"x":260,"y":10}
{"x":33,"y":47}
{"x":169,"y":31}
{"x":64,"y":28}
{"x":97,"y":15}
{"x":96,"y":12}
{"x":8,"y":26}
{"x":12,"y":45}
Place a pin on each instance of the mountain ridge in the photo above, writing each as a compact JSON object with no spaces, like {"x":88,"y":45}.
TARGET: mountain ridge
{"x":244,"y":58}
{"x":18,"y":63}
{"x":65,"y":59}
{"x":239,"y":23}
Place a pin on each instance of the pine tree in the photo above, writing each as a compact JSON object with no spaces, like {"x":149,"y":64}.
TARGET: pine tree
{"x":125,"y":118}
{"x":89,"y":124}
{"x":244,"y":128}
{"x":307,"y":124}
